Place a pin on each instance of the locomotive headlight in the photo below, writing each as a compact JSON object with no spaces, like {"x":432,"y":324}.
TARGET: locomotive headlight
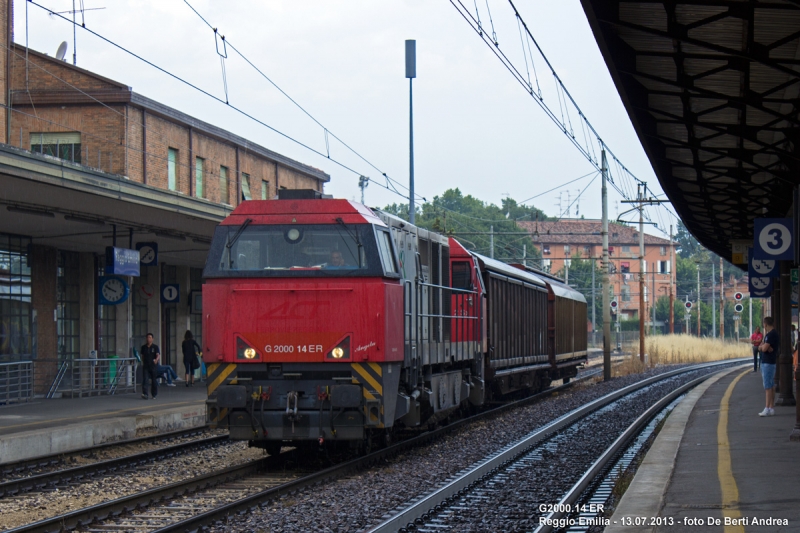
{"x":340,"y":352}
{"x":249,"y":353}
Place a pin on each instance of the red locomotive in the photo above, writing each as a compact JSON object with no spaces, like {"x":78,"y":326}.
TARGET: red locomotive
{"x":325,"y":320}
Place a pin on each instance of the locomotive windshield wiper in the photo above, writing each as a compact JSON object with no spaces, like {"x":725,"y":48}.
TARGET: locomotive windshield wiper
{"x":353,"y":235}
{"x":235,"y":238}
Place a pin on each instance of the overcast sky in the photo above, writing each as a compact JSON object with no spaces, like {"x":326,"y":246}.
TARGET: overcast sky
{"x":475,"y":127}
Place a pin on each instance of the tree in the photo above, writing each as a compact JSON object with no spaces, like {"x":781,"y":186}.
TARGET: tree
{"x":471,"y":220}
{"x":687,"y":244}
{"x":580,"y":279}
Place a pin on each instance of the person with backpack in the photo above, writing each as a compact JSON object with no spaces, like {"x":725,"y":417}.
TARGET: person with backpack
{"x":191,"y":360}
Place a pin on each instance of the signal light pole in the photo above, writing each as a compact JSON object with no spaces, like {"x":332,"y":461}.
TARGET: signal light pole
{"x":606,"y":285}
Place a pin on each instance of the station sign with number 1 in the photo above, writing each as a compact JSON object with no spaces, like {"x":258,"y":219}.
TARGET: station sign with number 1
{"x":773,"y":239}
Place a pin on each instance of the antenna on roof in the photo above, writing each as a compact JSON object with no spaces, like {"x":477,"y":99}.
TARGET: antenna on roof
{"x":62,"y":51}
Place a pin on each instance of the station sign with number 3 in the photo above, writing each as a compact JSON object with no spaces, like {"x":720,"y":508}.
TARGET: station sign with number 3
{"x":773,"y":239}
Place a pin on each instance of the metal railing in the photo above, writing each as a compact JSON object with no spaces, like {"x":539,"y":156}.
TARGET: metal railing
{"x":94,"y":377}
{"x":16,"y":381}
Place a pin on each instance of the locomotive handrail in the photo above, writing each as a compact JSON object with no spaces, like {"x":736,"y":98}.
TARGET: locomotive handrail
{"x":259,"y":289}
{"x":445,"y":287}
{"x":465,"y":317}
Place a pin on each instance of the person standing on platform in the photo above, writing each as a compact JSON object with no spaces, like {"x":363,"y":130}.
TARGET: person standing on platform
{"x":150,"y":358}
{"x":190,"y":350}
{"x":755,"y":340}
{"x":769,"y":348}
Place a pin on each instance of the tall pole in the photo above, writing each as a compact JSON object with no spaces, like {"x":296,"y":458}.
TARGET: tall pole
{"x":652,"y":301}
{"x":698,"y":299}
{"x":525,"y":255}
{"x":604,"y":277}
{"x":594,"y":324}
{"x":750,"y":298}
{"x":785,"y":356}
{"x":671,"y":283}
{"x":411,"y":73}
{"x":642,"y":312}
{"x":713,"y":303}
{"x":721,"y":302}
{"x":491,"y":242}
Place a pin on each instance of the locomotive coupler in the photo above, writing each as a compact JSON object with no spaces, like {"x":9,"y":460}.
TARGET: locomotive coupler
{"x":291,"y":407}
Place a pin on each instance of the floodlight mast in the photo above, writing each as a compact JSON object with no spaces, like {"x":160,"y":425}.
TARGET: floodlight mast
{"x":411,"y":73}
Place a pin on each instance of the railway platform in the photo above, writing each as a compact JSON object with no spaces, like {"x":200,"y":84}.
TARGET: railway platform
{"x":44,"y":427}
{"x":716,"y":462}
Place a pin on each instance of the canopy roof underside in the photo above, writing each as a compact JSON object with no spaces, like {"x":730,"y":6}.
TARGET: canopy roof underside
{"x":712,"y":90}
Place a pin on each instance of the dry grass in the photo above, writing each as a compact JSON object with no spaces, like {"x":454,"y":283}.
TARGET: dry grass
{"x":679,"y":349}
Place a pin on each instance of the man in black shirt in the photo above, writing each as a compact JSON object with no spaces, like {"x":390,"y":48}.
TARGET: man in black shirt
{"x":150,"y":357}
{"x":769,"y":349}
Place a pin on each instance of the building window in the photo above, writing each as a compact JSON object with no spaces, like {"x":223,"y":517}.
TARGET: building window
{"x":195,"y":319}
{"x":264,"y":189}
{"x":626,"y":293}
{"x":663,"y":267}
{"x":246,"y":187}
{"x":139,"y":308}
{"x":198,"y":177}
{"x":615,"y":235}
{"x":224,"y":193}
{"x":545,"y":248}
{"x":611,"y":251}
{"x":626,"y":249}
{"x":106,"y":324}
{"x":172,"y":169}
{"x":15,"y":303}
{"x":566,"y":250}
{"x":663,"y":251}
{"x":588,"y":251}
{"x":546,"y":265}
{"x":64,"y":145}
{"x":68,"y":306}
{"x":625,"y":267}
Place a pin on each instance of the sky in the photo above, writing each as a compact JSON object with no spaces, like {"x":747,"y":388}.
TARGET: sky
{"x":475,"y":126}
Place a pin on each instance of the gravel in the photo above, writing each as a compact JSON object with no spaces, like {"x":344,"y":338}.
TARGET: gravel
{"x":357,"y":502}
{"x":32,"y":507}
{"x":71,"y":460}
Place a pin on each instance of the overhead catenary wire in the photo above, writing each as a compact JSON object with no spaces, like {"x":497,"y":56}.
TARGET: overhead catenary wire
{"x":239,"y":110}
{"x":328,"y":132}
{"x":564,"y":98}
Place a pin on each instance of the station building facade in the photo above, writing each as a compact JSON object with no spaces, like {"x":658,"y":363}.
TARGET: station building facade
{"x":87,"y":163}
{"x":568,"y":239}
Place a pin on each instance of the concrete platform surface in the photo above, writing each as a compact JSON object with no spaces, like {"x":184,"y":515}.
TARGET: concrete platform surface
{"x":716,"y":462}
{"x":44,"y":427}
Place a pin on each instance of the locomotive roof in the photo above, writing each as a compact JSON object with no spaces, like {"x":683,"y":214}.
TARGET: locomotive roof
{"x":323,"y":211}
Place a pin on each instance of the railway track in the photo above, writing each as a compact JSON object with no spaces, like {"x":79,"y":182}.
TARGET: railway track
{"x":59,"y":461}
{"x":520,"y":483}
{"x":210,"y":499}
{"x":186,"y":505}
{"x":64,"y":477}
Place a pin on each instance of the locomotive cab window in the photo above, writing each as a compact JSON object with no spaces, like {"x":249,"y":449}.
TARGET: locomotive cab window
{"x":296,"y":250}
{"x":387,"y":255}
{"x":462,"y":278}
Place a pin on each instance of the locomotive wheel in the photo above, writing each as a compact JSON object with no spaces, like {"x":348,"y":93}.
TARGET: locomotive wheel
{"x":566,"y":380}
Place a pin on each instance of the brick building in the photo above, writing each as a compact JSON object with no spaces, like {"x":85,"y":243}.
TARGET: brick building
{"x":87,"y":163}
{"x":567,"y":239}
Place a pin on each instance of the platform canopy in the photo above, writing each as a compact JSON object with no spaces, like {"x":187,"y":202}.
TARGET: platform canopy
{"x":712,"y":88}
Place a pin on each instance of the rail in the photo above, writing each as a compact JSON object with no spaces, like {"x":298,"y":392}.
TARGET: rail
{"x":94,"y":377}
{"x":16,"y":381}
{"x":442,"y":494}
